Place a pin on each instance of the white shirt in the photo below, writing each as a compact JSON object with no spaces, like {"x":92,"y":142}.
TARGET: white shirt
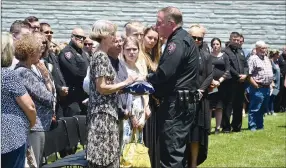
{"x":86,"y":82}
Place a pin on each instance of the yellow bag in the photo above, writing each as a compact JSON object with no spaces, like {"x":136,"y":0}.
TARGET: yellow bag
{"x":135,"y":155}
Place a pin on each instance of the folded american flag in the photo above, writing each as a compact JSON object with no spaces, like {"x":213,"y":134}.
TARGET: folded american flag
{"x":139,"y":88}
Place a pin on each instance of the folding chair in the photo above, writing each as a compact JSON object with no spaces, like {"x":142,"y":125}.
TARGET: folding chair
{"x":55,"y":140}
{"x":72,"y":130}
{"x":82,"y":129}
{"x":77,"y":159}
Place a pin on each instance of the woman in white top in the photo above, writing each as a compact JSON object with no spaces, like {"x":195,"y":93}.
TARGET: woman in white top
{"x":137,"y":105}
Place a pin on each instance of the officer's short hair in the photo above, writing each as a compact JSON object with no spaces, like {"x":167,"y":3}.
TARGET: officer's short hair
{"x":234,"y":34}
{"x":18,"y":25}
{"x":26,"y":47}
{"x":6,"y":49}
{"x":101,"y":29}
{"x":173,"y":13}
{"x":43,"y":25}
{"x":31,"y":19}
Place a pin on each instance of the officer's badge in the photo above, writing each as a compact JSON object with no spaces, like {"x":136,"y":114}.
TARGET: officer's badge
{"x":171,"y":47}
{"x":68,"y":55}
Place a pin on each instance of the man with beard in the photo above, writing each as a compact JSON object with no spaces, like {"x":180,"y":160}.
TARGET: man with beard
{"x":239,"y":72}
{"x":73,"y":63}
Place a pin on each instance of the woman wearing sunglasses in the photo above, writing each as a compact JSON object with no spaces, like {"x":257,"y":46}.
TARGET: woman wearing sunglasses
{"x":201,"y":126}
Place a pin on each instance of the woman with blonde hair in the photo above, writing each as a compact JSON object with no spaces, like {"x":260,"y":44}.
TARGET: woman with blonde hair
{"x":151,"y":48}
{"x":102,"y":117}
{"x":201,"y":125}
{"x":18,"y":113}
{"x":54,"y":47}
{"x":152,"y":51}
{"x":136,"y":105}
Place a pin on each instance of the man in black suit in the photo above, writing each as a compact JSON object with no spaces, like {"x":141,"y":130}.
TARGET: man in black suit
{"x":239,"y":73}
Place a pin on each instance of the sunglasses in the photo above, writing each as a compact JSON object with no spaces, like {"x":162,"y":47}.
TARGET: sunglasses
{"x":49,"y":32}
{"x":88,"y":44}
{"x":44,"y":42}
{"x":79,"y":37}
{"x":198,"y":38}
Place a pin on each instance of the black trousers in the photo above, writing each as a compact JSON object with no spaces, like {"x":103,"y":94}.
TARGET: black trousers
{"x":233,"y":102}
{"x":174,"y":125}
{"x":280,"y":100}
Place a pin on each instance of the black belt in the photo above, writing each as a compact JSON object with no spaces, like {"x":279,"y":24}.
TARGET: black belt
{"x":183,"y":96}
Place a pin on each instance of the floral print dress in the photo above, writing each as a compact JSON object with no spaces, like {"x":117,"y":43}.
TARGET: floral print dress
{"x":102,"y":118}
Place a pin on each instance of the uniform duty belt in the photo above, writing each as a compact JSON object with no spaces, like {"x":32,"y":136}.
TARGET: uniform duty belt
{"x":186,"y":97}
{"x":183,"y":97}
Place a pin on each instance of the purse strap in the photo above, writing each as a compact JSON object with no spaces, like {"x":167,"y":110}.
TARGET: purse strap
{"x":134,"y":137}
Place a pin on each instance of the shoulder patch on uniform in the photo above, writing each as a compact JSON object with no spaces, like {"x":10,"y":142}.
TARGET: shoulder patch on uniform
{"x":68,"y":55}
{"x":171,"y":47}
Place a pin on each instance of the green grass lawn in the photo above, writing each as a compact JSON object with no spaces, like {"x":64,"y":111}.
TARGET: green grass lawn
{"x":265,"y":148}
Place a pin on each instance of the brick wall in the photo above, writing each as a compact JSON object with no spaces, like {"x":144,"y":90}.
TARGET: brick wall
{"x":257,"y":20}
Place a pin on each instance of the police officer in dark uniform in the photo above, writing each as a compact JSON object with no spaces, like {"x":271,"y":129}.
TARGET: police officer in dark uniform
{"x":74,"y":62}
{"x":239,"y":72}
{"x":176,"y":83}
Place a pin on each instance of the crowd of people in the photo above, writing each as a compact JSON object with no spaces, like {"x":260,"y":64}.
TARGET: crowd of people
{"x":43,"y":81}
